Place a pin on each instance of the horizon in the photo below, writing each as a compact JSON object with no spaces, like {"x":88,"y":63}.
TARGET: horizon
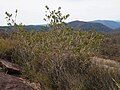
{"x":43,"y":24}
{"x":32,"y":12}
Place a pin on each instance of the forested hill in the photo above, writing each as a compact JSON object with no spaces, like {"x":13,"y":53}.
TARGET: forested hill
{"x":89,"y":26}
{"x":85,"y":26}
{"x":27,"y":27}
{"x":109,"y":23}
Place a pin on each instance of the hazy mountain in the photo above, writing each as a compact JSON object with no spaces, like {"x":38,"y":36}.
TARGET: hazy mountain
{"x":117,"y":31}
{"x":111,"y":24}
{"x":36,"y":27}
{"x":97,"y":25}
{"x":28,"y":27}
{"x":76,"y":24}
{"x":89,"y":26}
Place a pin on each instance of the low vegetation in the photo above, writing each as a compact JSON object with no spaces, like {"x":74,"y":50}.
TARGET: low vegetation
{"x":61,"y":58}
{"x":111,"y":47}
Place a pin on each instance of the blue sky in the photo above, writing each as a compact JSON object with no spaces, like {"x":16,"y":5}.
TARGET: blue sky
{"x":33,"y":11}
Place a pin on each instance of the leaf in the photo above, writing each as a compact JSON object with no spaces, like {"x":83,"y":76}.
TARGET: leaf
{"x":16,"y":11}
{"x":47,"y":7}
{"x":59,"y":8}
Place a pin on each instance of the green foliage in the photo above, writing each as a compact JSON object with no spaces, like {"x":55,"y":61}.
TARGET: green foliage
{"x":6,"y":47}
{"x":61,"y":58}
{"x":56,"y":58}
{"x":12,"y":23}
{"x":10,"y":20}
{"x":111,"y":47}
{"x":99,"y":77}
{"x":3,"y":33}
{"x":55,"y":19}
{"x":117,"y":84}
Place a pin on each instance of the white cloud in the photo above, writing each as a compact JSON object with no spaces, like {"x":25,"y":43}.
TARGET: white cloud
{"x":32,"y":11}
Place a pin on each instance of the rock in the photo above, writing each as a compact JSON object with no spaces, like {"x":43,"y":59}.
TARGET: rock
{"x":10,"y":67}
{"x":107,"y":63}
{"x":8,"y":82}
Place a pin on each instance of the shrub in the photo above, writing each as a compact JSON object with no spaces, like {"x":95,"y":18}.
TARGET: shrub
{"x":58,"y":59}
{"x":6,"y":47}
{"x":100,"y":78}
{"x":61,"y":58}
{"x":111,"y":47}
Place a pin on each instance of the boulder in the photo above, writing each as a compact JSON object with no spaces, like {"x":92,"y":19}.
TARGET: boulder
{"x":9,"y":67}
{"x":8,"y":82}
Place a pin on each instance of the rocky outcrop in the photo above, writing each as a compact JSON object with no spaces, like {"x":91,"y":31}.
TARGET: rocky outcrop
{"x":107,"y":63}
{"x":10,"y":67}
{"x":8,"y":82}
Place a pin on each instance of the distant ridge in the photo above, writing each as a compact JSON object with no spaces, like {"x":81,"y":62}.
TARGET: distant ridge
{"x":104,"y":26}
{"x":76,"y":24}
{"x":109,"y":23}
{"x":28,"y":27}
{"x":117,"y":31}
{"x":89,"y":26}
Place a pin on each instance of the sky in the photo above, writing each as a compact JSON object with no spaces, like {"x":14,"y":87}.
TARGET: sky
{"x":32,"y":12}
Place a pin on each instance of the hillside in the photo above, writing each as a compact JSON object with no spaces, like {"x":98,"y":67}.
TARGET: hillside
{"x":61,"y":59}
{"x":76,"y":24}
{"x":98,"y":25}
{"x":89,"y":26}
{"x":28,"y":28}
{"x":118,"y":30}
{"x":115,"y":33}
{"x":109,"y":23}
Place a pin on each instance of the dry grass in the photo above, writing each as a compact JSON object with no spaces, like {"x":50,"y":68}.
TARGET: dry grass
{"x":60,"y":60}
